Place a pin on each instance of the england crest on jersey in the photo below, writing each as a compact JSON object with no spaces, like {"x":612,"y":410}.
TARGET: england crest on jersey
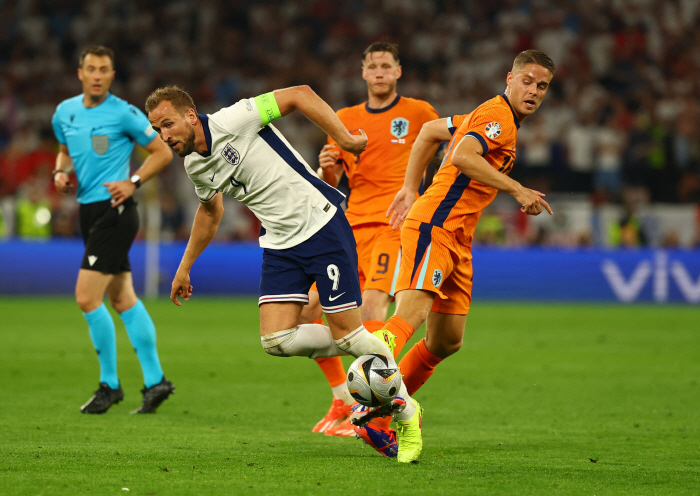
{"x":231,"y":154}
{"x":399,"y":127}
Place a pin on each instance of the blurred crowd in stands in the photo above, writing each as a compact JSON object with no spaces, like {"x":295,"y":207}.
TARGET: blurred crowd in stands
{"x":620,"y":124}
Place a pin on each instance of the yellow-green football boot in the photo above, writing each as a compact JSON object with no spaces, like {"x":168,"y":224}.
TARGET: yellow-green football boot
{"x":388,"y":338}
{"x":409,"y":434}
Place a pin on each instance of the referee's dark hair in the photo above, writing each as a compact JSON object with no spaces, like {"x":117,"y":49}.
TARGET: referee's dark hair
{"x":98,"y":50}
{"x":178,"y":97}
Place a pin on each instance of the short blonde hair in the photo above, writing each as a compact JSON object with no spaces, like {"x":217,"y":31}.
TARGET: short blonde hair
{"x":534,"y":57}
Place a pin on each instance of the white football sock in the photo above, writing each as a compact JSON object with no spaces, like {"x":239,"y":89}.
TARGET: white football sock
{"x":341,"y":392}
{"x":410,"y":409}
{"x":309,"y":340}
{"x":361,"y":342}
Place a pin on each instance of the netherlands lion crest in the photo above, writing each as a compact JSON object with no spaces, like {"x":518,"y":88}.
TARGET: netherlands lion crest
{"x":399,"y":127}
{"x":437,"y":278}
{"x":231,"y":154}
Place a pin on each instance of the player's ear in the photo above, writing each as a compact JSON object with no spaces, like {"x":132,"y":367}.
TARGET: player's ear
{"x":191,"y":116}
{"x":398,"y":72}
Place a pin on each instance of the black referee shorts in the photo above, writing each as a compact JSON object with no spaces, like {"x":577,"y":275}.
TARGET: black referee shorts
{"x":108,"y":233}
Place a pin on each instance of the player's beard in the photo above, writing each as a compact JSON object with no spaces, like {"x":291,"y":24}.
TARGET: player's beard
{"x":187,"y":144}
{"x":383,"y":92}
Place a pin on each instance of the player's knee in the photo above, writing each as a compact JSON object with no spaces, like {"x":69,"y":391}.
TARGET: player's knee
{"x":274,"y":344}
{"x":445,"y":348}
{"x":86,"y":302}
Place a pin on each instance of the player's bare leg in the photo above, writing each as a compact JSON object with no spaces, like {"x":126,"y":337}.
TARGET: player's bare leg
{"x":375,"y":305}
{"x":444,"y":335}
{"x":90,"y":289}
{"x":335,"y":421}
{"x":312,"y":311}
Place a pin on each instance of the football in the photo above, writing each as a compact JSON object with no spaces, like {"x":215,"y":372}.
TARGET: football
{"x":374,"y":380}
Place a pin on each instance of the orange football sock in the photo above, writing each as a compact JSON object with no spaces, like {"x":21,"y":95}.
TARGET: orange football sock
{"x":333,"y":370}
{"x":401,"y":329}
{"x":417,"y":366}
{"x":373,"y":325}
{"x":332,"y":367}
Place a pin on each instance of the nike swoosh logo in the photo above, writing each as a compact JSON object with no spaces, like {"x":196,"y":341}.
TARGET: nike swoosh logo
{"x":378,"y":279}
{"x":331,"y":298}
{"x":212,"y":177}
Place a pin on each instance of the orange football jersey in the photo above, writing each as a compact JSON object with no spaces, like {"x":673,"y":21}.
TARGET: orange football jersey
{"x":376,"y":175}
{"x":454,"y":201}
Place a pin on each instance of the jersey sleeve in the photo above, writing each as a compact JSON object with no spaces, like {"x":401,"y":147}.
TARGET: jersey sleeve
{"x":430,"y":113}
{"x":242,"y":118}
{"x":454,"y":122}
{"x":492,"y":127}
{"x":57,"y":129}
{"x":137,"y":127}
{"x":205,"y":194}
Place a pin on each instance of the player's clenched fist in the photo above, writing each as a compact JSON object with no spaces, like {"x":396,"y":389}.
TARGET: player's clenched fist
{"x":355,"y":144}
{"x":328,"y":156}
{"x":62,"y":182}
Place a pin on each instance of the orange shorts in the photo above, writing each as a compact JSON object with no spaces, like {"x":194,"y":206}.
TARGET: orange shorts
{"x":436,"y":260}
{"x":378,"y":249}
{"x":378,"y":254}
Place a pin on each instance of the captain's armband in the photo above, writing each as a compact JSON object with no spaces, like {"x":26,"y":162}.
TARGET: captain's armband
{"x":267,"y":108}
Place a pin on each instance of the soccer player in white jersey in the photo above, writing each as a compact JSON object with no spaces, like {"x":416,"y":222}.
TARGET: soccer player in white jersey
{"x":305,"y":234}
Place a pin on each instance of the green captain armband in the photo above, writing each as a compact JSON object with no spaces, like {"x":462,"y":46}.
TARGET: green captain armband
{"x":267,"y":107}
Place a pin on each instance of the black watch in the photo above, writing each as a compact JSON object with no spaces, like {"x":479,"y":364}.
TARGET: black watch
{"x":136,"y":179}
{"x":56,"y":171}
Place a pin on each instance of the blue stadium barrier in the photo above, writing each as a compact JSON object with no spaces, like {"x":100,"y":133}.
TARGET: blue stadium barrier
{"x":547,"y":274}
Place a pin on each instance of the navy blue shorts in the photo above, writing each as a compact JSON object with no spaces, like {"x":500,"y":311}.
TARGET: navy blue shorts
{"x":329,"y":257}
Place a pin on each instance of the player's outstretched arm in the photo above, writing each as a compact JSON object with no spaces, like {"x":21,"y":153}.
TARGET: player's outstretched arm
{"x":304,"y":99}
{"x":206,"y":222}
{"x":64,"y":167}
{"x":159,"y":157}
{"x":467,"y":158}
{"x":431,"y":135}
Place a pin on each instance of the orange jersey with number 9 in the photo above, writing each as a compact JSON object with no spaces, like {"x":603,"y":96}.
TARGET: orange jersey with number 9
{"x":377,"y":174}
{"x":454,"y":202}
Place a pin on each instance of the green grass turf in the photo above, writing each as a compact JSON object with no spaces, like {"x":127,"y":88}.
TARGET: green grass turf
{"x":542,"y":399}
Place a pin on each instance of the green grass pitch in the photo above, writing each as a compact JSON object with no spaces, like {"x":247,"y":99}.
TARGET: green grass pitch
{"x":542,"y":399}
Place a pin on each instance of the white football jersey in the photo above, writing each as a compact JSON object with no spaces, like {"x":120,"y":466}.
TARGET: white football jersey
{"x":256,"y":165}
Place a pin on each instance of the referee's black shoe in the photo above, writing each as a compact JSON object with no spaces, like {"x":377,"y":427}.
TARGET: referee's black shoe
{"x":155,"y":395}
{"x":103,"y":398}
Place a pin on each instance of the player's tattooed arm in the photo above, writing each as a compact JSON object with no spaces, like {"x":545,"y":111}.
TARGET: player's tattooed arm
{"x":467,"y":157}
{"x":304,"y":99}
{"x":64,"y":167}
{"x":206,"y":222}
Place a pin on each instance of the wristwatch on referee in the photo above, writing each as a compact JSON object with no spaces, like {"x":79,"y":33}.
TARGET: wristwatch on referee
{"x":136,"y":179}
{"x":56,"y":171}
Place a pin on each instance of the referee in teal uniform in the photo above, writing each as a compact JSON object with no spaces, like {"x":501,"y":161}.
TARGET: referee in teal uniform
{"x":96,"y":132}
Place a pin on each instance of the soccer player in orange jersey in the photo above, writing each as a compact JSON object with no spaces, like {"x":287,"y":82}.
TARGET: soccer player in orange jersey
{"x":435,"y":277}
{"x":392,"y":124}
